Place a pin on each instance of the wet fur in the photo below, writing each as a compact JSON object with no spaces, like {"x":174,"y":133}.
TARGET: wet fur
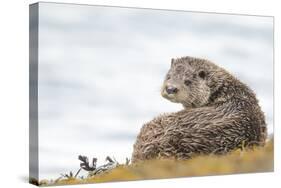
{"x":220,"y":114}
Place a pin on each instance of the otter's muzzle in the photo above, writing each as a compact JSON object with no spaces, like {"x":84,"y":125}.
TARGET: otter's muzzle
{"x":171,"y":90}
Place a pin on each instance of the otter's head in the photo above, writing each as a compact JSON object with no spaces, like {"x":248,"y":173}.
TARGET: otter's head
{"x":187,"y":82}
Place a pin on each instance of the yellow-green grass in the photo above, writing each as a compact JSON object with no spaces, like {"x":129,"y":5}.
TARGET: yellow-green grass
{"x":259,"y":159}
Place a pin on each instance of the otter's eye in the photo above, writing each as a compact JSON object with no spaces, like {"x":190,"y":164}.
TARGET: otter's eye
{"x":168,"y":77}
{"x":202,"y":74}
{"x":187,"y":82}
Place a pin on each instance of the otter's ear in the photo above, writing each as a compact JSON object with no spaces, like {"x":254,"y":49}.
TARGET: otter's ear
{"x":202,"y":74}
{"x":172,"y":61}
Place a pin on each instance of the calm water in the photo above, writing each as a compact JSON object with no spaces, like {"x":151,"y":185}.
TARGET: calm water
{"x":101,"y":69}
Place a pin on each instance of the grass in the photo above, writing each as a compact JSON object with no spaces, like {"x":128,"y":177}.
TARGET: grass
{"x":259,"y":159}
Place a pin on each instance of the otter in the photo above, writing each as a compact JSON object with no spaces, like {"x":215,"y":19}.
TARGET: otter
{"x":220,"y":114}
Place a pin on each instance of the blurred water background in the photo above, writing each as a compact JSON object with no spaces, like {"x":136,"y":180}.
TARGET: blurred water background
{"x":101,"y":69}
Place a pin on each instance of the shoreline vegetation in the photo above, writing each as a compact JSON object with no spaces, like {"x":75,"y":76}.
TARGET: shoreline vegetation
{"x":258,"y":159}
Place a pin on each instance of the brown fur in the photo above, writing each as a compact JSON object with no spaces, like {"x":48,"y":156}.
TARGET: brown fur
{"x":220,"y":114}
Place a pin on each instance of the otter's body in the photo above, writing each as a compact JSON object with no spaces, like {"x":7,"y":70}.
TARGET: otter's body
{"x":220,"y":114}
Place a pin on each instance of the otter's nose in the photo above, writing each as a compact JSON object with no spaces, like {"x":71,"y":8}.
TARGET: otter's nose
{"x":171,"y":89}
